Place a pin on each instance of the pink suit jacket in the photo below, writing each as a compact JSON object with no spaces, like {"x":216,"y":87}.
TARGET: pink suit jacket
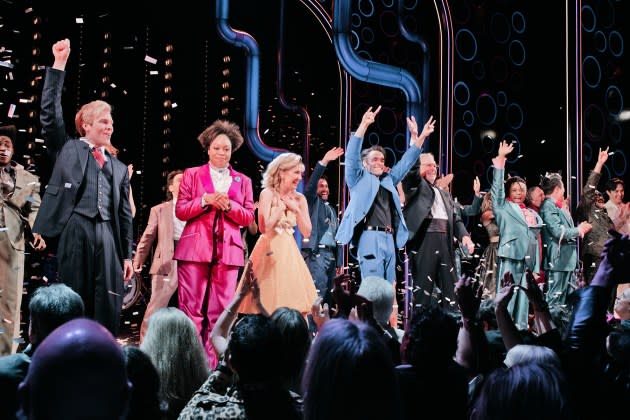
{"x":196,"y":241}
{"x":161,"y":224}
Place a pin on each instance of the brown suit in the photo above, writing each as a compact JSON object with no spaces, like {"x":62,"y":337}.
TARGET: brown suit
{"x":163,"y":268}
{"x":12,"y":246}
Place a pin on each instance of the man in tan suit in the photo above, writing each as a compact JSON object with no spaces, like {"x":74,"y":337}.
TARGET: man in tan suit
{"x":168,"y":228}
{"x":19,"y":202}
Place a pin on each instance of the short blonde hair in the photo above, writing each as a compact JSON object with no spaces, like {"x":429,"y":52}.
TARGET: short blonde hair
{"x":282,"y":162}
{"x":89,"y":113}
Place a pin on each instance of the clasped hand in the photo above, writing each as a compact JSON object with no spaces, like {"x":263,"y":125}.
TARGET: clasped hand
{"x":218,"y":200}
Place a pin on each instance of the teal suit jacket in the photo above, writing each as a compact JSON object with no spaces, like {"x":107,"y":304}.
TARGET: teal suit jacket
{"x":514,"y":233}
{"x":559,"y":234}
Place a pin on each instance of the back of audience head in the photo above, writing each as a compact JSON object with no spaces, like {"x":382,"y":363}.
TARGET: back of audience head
{"x":77,"y":372}
{"x":618,"y":347}
{"x":296,"y":342}
{"x":349,"y":374}
{"x":254,"y":353}
{"x":524,"y":391}
{"x":522,"y":353}
{"x":381,"y":293}
{"x":622,"y":305}
{"x":50,"y":307}
{"x":175,"y":348}
{"x":145,"y":401}
{"x":487,"y":314}
{"x":431,"y":337}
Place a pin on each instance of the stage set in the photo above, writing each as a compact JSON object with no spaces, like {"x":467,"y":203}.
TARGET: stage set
{"x":297,"y":75}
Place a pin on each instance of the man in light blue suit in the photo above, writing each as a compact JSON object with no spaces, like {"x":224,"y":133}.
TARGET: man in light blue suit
{"x":559,"y":236}
{"x":373,"y":217}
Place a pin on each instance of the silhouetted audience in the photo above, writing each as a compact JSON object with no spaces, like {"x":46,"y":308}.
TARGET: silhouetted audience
{"x":254,"y":354}
{"x":430,"y":377}
{"x":78,"y":372}
{"x":145,"y":400}
{"x":174,"y":346}
{"x":349,"y":375}
{"x":524,"y":391}
{"x":49,"y":307}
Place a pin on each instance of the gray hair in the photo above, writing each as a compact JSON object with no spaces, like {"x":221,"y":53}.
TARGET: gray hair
{"x":381,"y":293}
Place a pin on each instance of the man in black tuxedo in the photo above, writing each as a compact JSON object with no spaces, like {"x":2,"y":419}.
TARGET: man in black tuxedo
{"x":321,"y":252}
{"x":433,"y":225}
{"x":86,"y":201}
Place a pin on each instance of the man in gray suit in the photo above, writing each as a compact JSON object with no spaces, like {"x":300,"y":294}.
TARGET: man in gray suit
{"x":86,"y":202}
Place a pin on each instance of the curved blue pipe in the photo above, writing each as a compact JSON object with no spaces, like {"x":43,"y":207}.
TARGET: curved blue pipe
{"x":252,"y":53}
{"x":370,"y":71}
{"x":426,"y":68}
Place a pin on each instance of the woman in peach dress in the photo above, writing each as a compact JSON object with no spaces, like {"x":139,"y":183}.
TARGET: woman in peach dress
{"x":282,"y":274}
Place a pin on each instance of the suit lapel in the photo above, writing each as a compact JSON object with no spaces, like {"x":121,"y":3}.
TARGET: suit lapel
{"x":206,"y":179}
{"x":235,"y":186}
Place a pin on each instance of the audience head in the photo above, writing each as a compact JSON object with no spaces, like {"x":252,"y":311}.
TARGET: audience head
{"x":524,"y":391}
{"x":615,"y":189}
{"x":523,"y":353}
{"x":51,"y":306}
{"x":381,"y":293}
{"x":431,"y":337}
{"x":254,"y":350}
{"x":487,"y":314}
{"x":77,"y":372}
{"x":175,"y":348}
{"x":145,"y":401}
{"x":618,"y":347}
{"x":286,"y":167}
{"x":295,"y":341}
{"x":349,"y":374}
{"x":622,"y":305}
{"x":173,"y":179}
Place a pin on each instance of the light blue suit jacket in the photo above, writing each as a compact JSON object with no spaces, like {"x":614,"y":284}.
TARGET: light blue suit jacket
{"x":363,"y":188}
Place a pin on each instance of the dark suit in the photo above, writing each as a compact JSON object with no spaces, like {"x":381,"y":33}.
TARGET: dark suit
{"x":320,"y":260}
{"x":432,"y":253}
{"x":93,"y":240}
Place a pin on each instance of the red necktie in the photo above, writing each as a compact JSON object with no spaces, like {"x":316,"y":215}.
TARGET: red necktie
{"x":98,"y":155}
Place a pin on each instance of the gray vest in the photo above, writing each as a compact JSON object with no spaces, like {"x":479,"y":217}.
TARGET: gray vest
{"x":95,"y":194}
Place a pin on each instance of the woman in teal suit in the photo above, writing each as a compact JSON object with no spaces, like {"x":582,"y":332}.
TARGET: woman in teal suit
{"x":518,"y":233}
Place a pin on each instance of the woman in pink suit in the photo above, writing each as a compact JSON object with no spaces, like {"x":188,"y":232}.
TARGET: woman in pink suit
{"x":214,"y":201}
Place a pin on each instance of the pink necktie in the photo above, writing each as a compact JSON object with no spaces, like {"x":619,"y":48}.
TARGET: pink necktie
{"x":98,"y":155}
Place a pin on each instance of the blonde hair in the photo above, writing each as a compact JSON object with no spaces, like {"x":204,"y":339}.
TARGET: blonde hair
{"x":89,"y":113}
{"x":283,"y":162}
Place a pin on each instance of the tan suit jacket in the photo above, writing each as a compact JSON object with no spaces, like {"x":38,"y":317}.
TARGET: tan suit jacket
{"x":161,"y":225}
{"x":26,"y":198}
